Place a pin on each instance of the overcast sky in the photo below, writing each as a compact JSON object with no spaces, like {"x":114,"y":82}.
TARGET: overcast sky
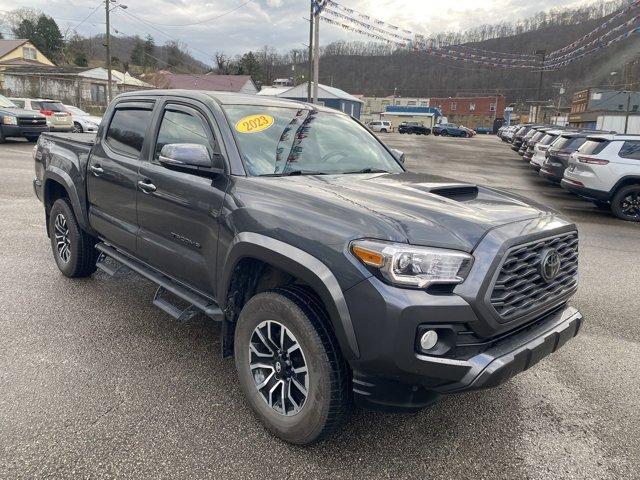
{"x":273,"y":22}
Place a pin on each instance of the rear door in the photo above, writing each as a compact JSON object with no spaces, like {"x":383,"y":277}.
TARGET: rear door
{"x":112,"y":173}
{"x":178,"y":215}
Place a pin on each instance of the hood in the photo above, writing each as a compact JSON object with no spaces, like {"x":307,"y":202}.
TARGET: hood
{"x":21,"y":112}
{"x":416,"y":208}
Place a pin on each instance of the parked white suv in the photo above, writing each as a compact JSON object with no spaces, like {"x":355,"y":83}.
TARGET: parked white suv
{"x":540,"y":149}
{"x":606,"y":170}
{"x":380,"y":126}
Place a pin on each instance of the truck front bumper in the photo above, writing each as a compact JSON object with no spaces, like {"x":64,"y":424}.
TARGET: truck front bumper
{"x":392,"y":373}
{"x":23,"y":130}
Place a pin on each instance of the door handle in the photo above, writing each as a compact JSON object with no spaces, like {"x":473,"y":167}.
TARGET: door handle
{"x":96,"y":169}
{"x":146,"y":186}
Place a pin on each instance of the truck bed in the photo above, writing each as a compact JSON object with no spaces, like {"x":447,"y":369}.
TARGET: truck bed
{"x":80,"y":138}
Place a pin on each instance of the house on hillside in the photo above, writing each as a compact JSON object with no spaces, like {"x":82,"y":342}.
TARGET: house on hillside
{"x":21,"y":52}
{"x":209,"y":81}
{"x":329,"y":97}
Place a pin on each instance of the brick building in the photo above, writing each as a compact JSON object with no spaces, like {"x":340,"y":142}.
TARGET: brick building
{"x":471,"y":112}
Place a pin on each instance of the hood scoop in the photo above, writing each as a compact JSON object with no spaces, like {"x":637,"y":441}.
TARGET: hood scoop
{"x":459,"y":193}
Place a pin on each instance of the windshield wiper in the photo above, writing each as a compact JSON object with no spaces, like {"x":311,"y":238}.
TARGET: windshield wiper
{"x":368,"y":170}
{"x":293,"y":173}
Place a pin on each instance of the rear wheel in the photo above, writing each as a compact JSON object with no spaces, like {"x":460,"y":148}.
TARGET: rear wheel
{"x":626,"y":203}
{"x":73,"y":249}
{"x":444,"y":133}
{"x":32,"y":138}
{"x":384,"y":130}
{"x":290,"y":367}
{"x":464,"y":135}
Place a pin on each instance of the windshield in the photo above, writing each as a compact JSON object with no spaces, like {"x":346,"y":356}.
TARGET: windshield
{"x":6,"y":103}
{"x":283,"y":140}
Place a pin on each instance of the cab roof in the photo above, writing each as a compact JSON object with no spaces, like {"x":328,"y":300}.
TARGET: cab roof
{"x":230,"y":98}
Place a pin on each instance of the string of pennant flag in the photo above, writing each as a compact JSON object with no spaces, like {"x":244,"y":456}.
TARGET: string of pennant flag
{"x":351,"y":20}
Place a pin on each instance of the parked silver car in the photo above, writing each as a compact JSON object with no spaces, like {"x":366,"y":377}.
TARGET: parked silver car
{"x":83,"y":121}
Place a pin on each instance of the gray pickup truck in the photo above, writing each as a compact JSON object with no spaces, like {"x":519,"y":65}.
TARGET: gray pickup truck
{"x":338,"y":276}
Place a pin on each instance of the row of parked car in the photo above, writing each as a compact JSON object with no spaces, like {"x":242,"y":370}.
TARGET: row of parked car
{"x":603,"y":167}
{"x":29,"y":117}
{"x":418,"y":128}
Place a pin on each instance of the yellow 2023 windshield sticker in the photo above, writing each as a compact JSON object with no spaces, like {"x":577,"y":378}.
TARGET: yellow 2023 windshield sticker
{"x":254,"y":123}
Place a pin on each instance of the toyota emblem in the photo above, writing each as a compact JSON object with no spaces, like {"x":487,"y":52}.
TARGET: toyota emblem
{"x":549,"y":264}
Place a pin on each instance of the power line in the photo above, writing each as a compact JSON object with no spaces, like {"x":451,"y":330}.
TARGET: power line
{"x":200,"y":22}
{"x":88,"y":16}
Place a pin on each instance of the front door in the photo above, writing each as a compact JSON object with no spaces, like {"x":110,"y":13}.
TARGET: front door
{"x":112,"y":173}
{"x":178,"y":215}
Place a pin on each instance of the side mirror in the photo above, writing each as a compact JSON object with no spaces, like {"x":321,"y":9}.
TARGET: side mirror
{"x":190,"y":157}
{"x":398,"y":155}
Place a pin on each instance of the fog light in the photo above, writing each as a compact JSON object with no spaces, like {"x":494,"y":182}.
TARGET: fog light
{"x":428,"y":340}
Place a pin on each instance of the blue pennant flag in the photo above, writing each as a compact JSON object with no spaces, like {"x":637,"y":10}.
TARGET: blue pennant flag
{"x":318,"y":6}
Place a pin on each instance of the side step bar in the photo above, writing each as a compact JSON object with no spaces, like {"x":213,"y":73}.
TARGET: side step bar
{"x":196,"y":301}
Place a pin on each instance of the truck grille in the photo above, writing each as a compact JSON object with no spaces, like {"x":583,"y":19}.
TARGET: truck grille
{"x":32,"y":122}
{"x":520,"y":286}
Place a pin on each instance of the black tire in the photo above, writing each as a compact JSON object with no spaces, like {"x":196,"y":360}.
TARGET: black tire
{"x":32,"y":138}
{"x":384,"y":130}
{"x":2,"y":138}
{"x":328,"y":401}
{"x":79,"y":260}
{"x":464,"y":135}
{"x":444,"y":133}
{"x":77,"y":128}
{"x":625,"y":204}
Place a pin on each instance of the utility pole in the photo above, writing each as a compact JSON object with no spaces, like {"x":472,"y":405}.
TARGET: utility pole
{"x":310,"y":74}
{"x":108,"y":46}
{"x":316,"y":57}
{"x":626,"y":117}
{"x":543,"y":56}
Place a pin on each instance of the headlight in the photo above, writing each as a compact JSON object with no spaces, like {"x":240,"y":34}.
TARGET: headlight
{"x":9,"y":120}
{"x":417,"y":267}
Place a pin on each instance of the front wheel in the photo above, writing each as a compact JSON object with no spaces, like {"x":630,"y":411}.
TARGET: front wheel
{"x":32,"y":138}
{"x":290,"y":367}
{"x":73,"y":249}
{"x":77,"y":128}
{"x":444,"y":133}
{"x":626,"y":203}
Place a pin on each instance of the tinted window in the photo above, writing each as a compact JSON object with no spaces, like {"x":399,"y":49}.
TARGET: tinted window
{"x":593,"y":146}
{"x":127,"y":130}
{"x":547,"y":139}
{"x":575,"y":143}
{"x":561,"y":142}
{"x":536,"y":137}
{"x":631,"y":149}
{"x":181,"y":127}
{"x":53,"y":106}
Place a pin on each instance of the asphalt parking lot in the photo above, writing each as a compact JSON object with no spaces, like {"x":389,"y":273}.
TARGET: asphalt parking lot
{"x":95,"y":382}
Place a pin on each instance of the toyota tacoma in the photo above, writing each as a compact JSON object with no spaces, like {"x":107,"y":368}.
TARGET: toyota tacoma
{"x":338,"y":276}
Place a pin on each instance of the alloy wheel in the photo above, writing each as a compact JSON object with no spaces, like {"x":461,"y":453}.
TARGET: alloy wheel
{"x":63,"y":244}
{"x":630,"y":205}
{"x":278,"y":367}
